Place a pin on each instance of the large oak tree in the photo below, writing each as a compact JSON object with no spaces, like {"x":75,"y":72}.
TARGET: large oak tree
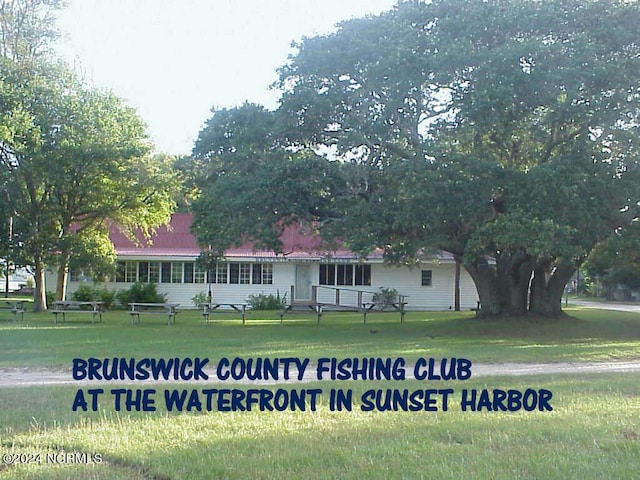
{"x":503,"y":131}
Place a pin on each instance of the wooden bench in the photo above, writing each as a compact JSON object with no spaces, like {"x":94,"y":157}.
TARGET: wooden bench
{"x":209,"y":308}
{"x":168,"y":309}
{"x":15,"y":307}
{"x":95,"y":309}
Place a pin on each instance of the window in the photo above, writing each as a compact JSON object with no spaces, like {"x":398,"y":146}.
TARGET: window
{"x":427,"y":276}
{"x":256,"y":273}
{"x":267,"y":273}
{"x":327,"y":274}
{"x":148,"y":272}
{"x":345,"y":274}
{"x":176,"y":272}
{"x":120,"y":269}
{"x":245,"y":273}
{"x":143,"y":271}
{"x":199,"y":276}
{"x":130,"y":273}
{"x":221,"y":273}
{"x":363,"y":275}
{"x":261,"y":273}
{"x":240,"y":273}
{"x":234,"y":273}
{"x":188,"y":272}
{"x":154,"y":272}
{"x":166,"y":272}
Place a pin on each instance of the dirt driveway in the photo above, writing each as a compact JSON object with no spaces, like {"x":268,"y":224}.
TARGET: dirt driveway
{"x":24,"y":377}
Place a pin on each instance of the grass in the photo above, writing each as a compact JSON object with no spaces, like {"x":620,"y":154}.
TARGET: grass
{"x":593,"y":431}
{"x":589,"y":335}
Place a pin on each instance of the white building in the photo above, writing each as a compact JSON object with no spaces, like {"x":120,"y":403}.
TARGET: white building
{"x":305,"y":273}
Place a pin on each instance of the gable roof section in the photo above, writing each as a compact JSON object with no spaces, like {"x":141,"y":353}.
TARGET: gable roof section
{"x":177,"y":240}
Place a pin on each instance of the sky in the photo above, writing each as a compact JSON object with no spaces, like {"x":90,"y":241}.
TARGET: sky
{"x":175,"y":60}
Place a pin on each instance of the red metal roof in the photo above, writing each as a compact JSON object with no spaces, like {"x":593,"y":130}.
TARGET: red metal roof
{"x":177,"y":240}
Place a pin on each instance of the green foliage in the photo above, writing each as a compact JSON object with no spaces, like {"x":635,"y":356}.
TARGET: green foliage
{"x":500,"y":130}
{"x":263,"y":301}
{"x":50,"y":296}
{"x":76,"y":159}
{"x":140,"y":293}
{"x":200,"y":298}
{"x":240,"y":150}
{"x":93,"y":293}
{"x":385,"y":297}
{"x":616,"y":260}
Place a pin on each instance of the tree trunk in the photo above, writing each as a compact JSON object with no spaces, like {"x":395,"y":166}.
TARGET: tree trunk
{"x":512,"y":287}
{"x":484,"y":278}
{"x":519,"y":280}
{"x":547,"y":289}
{"x":503,"y":288}
{"x":40,"y":293}
{"x":63,"y":273}
{"x":456,"y":288}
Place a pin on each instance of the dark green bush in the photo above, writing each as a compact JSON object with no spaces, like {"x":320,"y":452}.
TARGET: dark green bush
{"x":385,"y":297}
{"x":51,"y":297}
{"x":140,"y":293}
{"x":261,"y":301}
{"x":93,"y":293}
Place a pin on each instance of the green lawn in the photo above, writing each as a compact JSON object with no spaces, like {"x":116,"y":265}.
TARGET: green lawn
{"x":593,"y":431}
{"x":589,"y":335}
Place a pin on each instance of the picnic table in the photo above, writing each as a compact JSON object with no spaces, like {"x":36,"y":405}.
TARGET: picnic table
{"x":209,"y":308}
{"x":169,"y":309}
{"x":14,"y":306}
{"x":63,"y":307}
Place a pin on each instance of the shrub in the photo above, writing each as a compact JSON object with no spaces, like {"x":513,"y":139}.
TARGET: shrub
{"x":140,"y":293}
{"x":93,"y":293}
{"x":51,"y":297}
{"x":385,"y":297}
{"x":267,"y":302}
{"x":200,"y":298}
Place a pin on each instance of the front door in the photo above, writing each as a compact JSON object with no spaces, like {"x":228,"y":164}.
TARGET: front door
{"x":303,"y":282}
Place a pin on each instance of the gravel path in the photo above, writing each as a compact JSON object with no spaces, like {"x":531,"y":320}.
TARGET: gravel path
{"x":23,"y":377}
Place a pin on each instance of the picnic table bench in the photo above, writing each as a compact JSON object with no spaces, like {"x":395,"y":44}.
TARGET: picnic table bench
{"x":398,"y":306}
{"x":169,"y":309}
{"x":14,"y":306}
{"x":365,"y":308}
{"x":209,"y":308}
{"x":63,"y":307}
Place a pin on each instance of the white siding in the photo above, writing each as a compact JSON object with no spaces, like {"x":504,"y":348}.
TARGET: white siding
{"x":407,"y":282}
{"x":438,"y":296}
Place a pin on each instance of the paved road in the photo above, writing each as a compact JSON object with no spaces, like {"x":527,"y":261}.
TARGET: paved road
{"x":620,"y":307}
